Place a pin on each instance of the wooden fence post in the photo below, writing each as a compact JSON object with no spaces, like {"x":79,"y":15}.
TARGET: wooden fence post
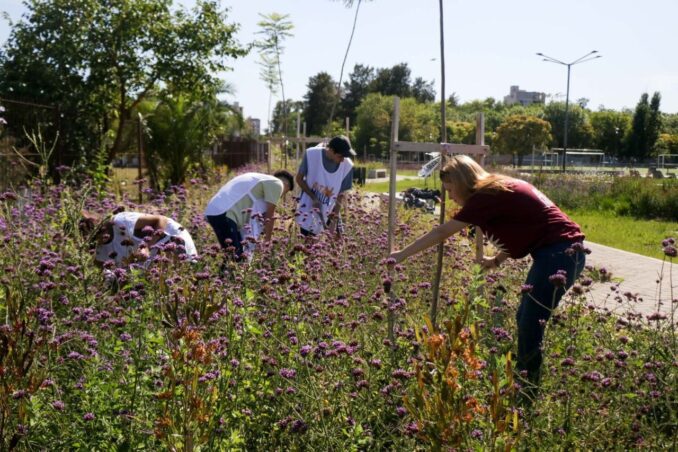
{"x":298,"y":135}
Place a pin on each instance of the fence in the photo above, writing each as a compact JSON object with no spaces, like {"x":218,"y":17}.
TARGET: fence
{"x":18,"y":156}
{"x":237,"y":152}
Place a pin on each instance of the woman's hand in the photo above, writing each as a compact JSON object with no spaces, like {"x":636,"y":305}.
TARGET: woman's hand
{"x":493,"y":262}
{"x":488,"y":263}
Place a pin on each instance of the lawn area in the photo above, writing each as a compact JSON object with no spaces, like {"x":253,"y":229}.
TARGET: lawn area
{"x":626,"y":233}
{"x":401,"y":185}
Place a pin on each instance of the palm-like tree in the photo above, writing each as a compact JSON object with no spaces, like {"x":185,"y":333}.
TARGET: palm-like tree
{"x":181,"y":127}
{"x":275,"y":28}
{"x":348,"y":4}
{"x":270,"y":77}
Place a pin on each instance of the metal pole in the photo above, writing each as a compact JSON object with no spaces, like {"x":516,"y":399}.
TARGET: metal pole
{"x":347,"y":125}
{"x":583,"y":59}
{"x":567,"y":105}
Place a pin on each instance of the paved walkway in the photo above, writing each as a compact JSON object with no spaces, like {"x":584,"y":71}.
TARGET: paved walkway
{"x":650,"y":281}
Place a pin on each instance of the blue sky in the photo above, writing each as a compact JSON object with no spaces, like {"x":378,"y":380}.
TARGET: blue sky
{"x":490,"y":45}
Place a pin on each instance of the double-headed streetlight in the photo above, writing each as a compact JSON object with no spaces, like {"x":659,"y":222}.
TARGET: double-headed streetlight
{"x":588,"y":57}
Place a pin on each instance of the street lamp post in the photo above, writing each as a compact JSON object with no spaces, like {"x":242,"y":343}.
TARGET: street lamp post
{"x":588,"y":57}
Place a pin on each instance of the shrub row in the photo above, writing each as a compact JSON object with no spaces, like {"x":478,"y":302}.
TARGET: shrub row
{"x":627,"y":196}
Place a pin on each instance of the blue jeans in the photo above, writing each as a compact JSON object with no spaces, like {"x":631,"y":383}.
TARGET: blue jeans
{"x":536,"y":306}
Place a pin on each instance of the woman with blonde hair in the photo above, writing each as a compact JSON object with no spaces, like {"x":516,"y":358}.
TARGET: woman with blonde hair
{"x":520,"y":220}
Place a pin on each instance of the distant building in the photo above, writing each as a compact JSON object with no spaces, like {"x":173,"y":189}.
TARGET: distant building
{"x":237,"y":108}
{"x":255,"y":126}
{"x":521,"y":97}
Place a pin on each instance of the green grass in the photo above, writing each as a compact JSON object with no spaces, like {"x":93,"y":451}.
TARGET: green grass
{"x":625,"y":233}
{"x":401,"y":185}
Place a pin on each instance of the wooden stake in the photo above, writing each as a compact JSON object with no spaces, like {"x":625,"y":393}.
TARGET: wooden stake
{"x":298,"y":133}
{"x":480,"y":140}
{"x":392,"y":208}
{"x":443,"y":138}
{"x":140,"y":153}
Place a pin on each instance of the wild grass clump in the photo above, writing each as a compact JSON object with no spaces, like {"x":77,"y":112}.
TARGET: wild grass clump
{"x":291,"y":351}
{"x":643,"y":198}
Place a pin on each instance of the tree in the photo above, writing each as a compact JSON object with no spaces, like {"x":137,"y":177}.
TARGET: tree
{"x":669,"y":123}
{"x":609,"y":129}
{"x":667,"y":144}
{"x":356,"y":89}
{"x":290,"y":110}
{"x":269,"y":75}
{"x":275,"y":28}
{"x":423,"y":91}
{"x":654,"y":122}
{"x":319,"y":97}
{"x":99,"y":60}
{"x":461,"y":132}
{"x":453,"y":100}
{"x":393,"y":81}
{"x":418,"y":122}
{"x":373,"y":121}
{"x":580,"y":132}
{"x":349,"y":4}
{"x":645,"y":127}
{"x":520,"y":134}
{"x":181,"y":127}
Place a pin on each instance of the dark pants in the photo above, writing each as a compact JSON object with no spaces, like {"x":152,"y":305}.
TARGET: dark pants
{"x":536,"y":306}
{"x":227,"y":233}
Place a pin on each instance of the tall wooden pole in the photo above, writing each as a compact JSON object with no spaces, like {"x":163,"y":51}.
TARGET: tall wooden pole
{"x":269,"y":156}
{"x":140,"y":154}
{"x":480,"y":139}
{"x":298,"y":134}
{"x":303,"y":148}
{"x":392,"y":206}
{"x":443,"y":138}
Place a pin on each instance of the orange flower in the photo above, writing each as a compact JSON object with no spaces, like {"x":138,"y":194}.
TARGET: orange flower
{"x":160,"y":426}
{"x":164,"y":395}
{"x":435,"y":341}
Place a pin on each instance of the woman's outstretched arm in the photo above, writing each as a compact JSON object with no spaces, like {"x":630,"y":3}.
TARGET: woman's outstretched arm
{"x":436,"y":236}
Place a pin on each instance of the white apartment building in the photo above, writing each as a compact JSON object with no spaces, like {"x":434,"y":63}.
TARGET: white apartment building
{"x":518,"y":96}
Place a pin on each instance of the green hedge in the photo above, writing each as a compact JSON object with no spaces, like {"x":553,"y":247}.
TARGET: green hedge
{"x":627,"y":196}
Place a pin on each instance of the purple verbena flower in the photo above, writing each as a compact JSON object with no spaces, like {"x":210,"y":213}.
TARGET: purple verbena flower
{"x":58,"y":405}
{"x":290,"y":374}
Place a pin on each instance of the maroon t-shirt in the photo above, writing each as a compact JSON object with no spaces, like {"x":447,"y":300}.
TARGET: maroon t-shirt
{"x":519,"y":221}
